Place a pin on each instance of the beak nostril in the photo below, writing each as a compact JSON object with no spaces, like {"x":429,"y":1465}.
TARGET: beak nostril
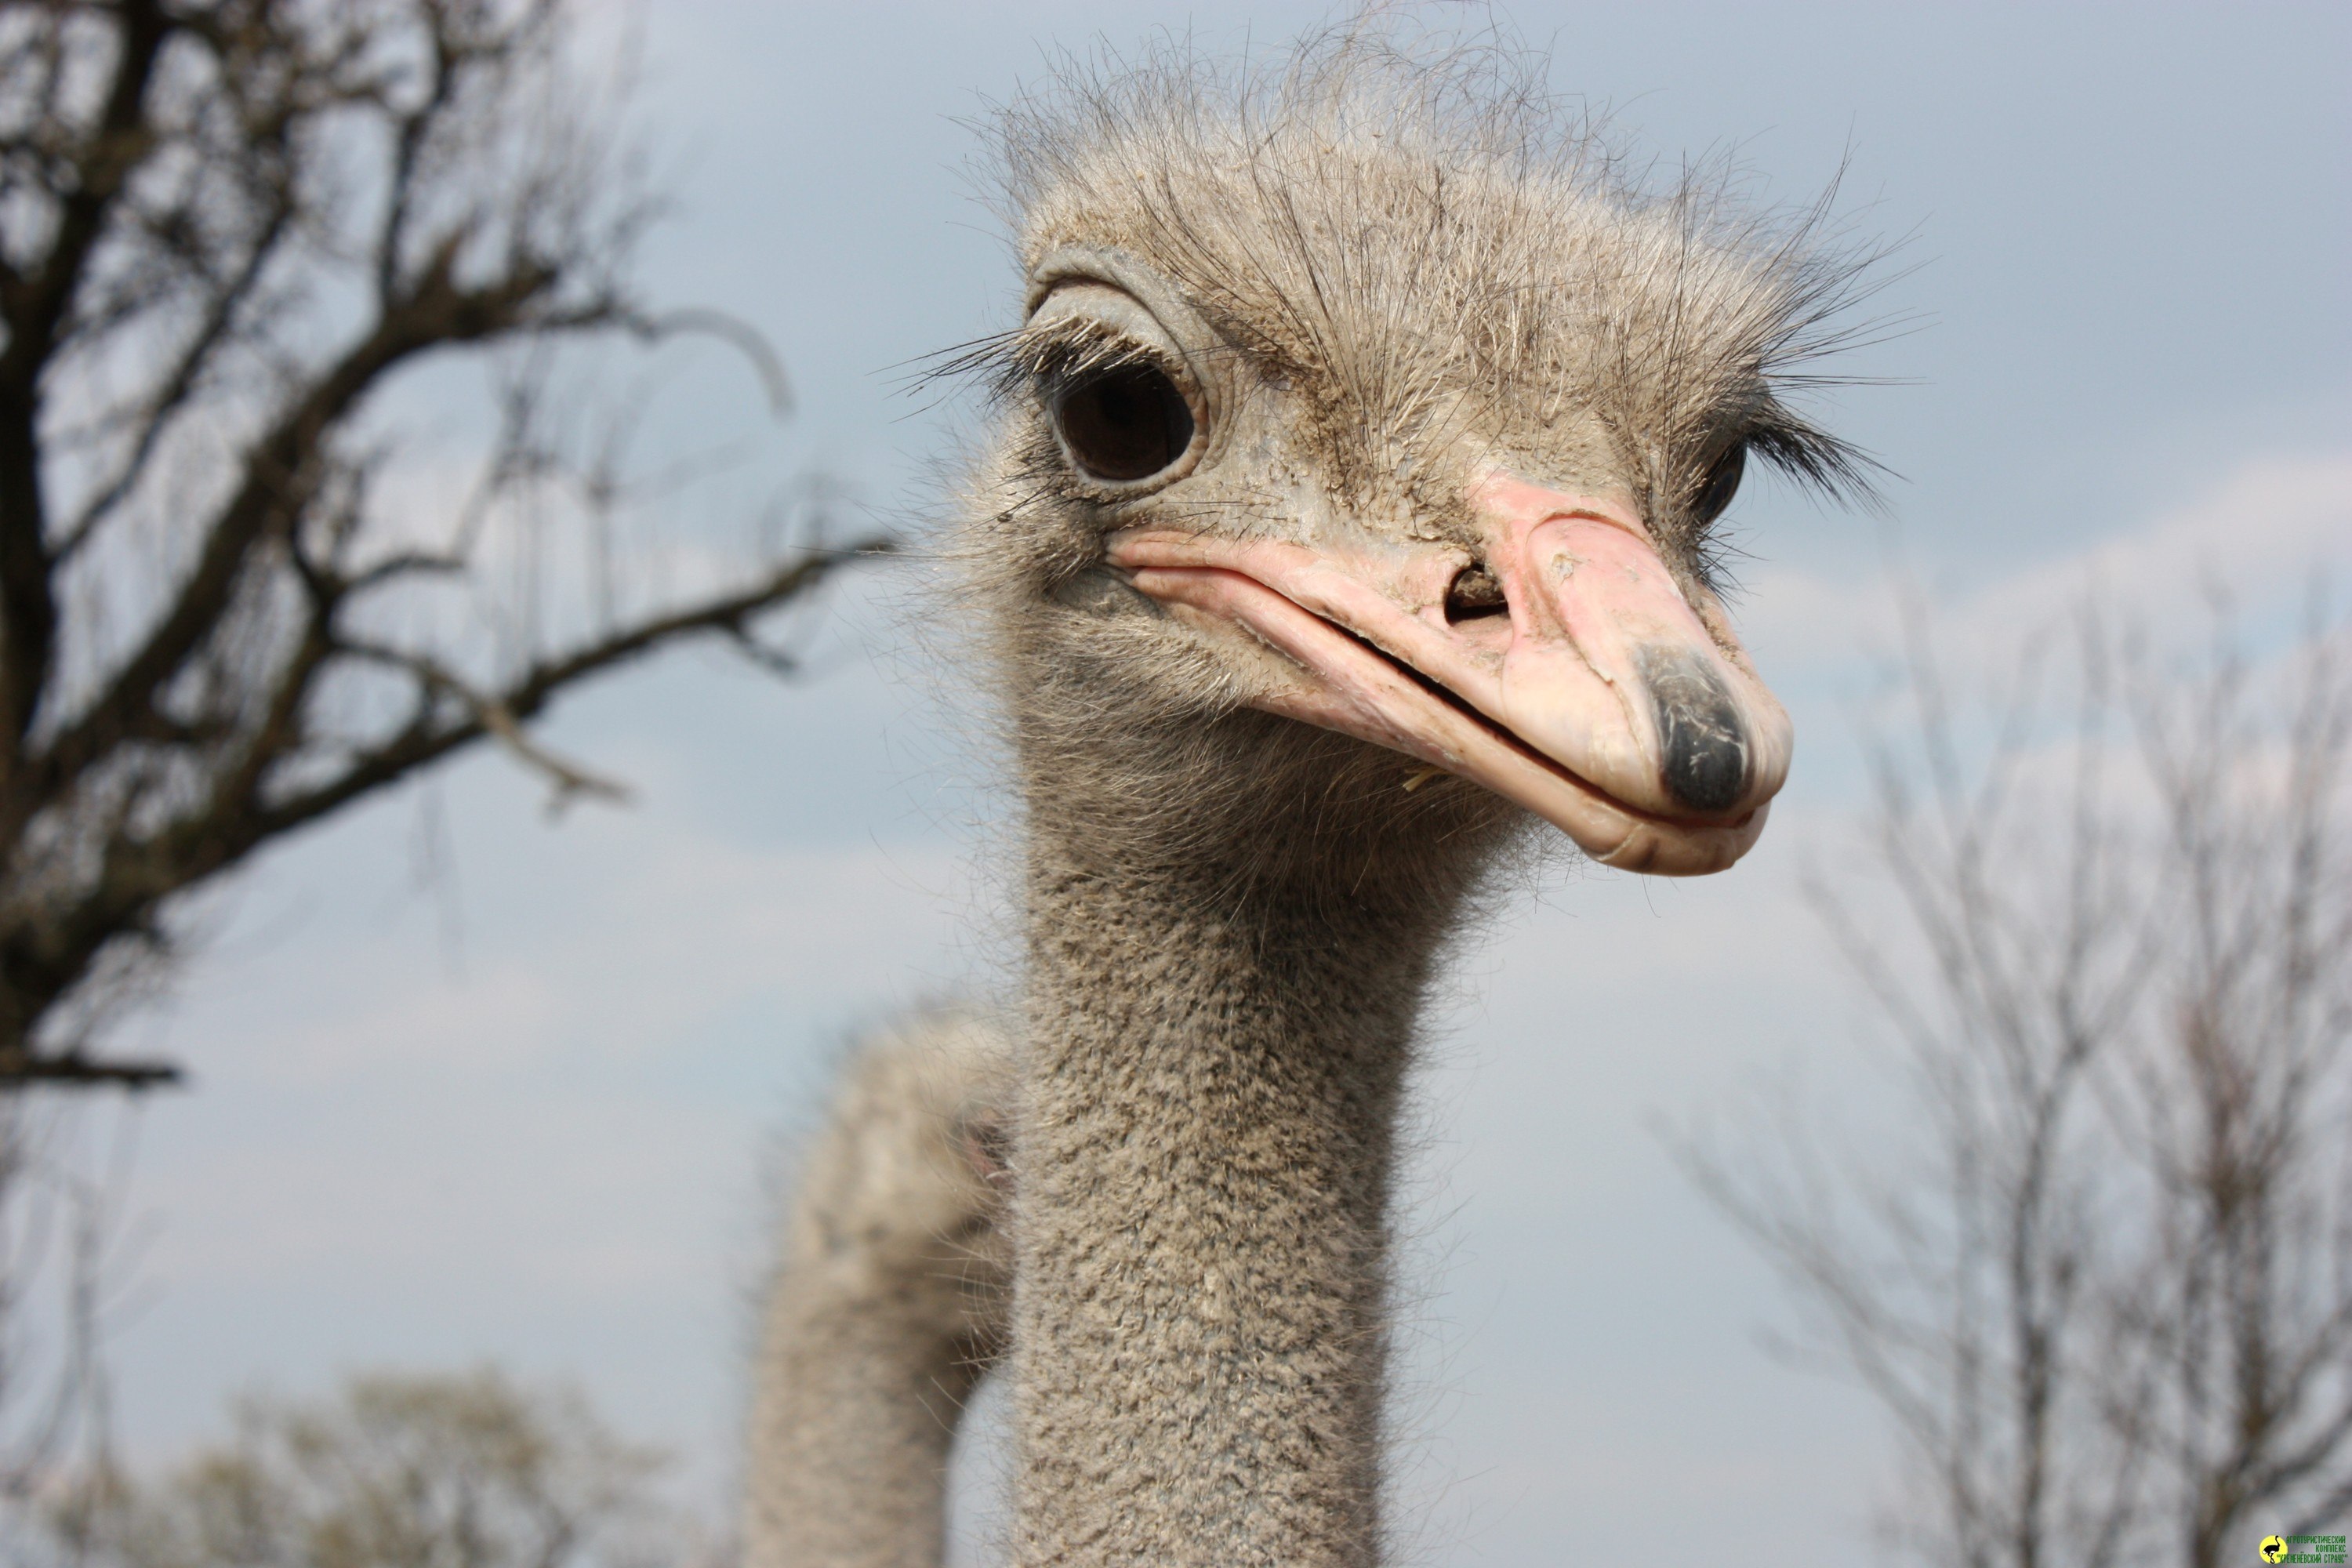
{"x":1475,"y":593}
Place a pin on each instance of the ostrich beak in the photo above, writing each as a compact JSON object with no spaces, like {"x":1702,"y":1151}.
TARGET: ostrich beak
{"x":1596,"y":692}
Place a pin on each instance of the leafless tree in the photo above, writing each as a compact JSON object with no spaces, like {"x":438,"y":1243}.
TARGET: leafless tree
{"x":396,"y":1471}
{"x":233,"y":236}
{"x":2107,"y":1293}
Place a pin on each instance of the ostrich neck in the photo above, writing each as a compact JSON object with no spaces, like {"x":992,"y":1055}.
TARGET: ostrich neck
{"x":1204,"y":1162}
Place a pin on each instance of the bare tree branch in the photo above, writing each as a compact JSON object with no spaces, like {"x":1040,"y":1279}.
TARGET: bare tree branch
{"x":36,"y":301}
{"x":233,"y":230}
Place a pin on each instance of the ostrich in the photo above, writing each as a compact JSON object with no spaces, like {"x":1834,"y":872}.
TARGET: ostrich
{"x":889,"y":1302}
{"x":1348,"y":516}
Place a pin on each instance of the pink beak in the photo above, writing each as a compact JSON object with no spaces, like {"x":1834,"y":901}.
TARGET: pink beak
{"x":1596,"y":695}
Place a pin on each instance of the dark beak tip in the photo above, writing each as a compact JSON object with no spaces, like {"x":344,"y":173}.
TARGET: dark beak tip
{"x":1703,"y":750}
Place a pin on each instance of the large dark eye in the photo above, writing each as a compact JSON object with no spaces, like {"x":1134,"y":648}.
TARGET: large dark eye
{"x":1722,"y":483}
{"x":1126,"y":424}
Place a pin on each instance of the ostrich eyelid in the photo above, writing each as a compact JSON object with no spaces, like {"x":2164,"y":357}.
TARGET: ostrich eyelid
{"x":1148,"y":303}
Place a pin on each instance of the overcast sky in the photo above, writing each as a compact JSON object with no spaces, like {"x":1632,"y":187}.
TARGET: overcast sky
{"x":519,"y":1113}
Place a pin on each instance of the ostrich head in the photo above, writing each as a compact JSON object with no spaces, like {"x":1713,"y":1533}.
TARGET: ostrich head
{"x":1365,"y":438}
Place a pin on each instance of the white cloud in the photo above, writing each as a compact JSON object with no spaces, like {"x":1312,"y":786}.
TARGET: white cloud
{"x":2259,"y":534}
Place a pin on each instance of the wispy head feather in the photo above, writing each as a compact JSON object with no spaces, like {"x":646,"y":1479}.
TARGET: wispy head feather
{"x":1415,"y":229}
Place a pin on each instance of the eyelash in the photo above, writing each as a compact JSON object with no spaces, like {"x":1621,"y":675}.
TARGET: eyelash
{"x":1048,"y":370}
{"x":1023,"y":364}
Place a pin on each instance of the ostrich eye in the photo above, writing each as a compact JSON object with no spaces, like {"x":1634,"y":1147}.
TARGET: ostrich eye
{"x":1126,"y":424}
{"x":1721,"y":484}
